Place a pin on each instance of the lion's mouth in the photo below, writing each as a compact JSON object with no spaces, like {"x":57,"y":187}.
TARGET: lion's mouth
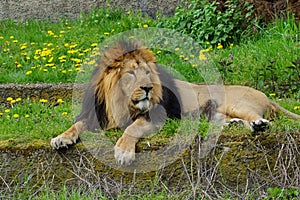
{"x":143,"y":104}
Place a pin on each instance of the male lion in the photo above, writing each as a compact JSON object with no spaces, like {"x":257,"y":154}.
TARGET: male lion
{"x":130,"y":91}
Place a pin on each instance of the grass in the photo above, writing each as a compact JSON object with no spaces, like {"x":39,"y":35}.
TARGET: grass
{"x":55,"y":52}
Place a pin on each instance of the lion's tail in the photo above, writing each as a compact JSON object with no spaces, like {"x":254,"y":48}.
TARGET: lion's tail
{"x":285,"y":111}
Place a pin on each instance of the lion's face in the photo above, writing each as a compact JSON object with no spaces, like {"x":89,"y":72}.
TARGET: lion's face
{"x":139,"y":81}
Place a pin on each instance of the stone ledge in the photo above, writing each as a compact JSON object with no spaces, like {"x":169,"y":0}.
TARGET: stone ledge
{"x":37,"y":91}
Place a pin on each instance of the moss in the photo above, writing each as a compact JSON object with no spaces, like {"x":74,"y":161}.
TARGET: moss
{"x":244,"y":159}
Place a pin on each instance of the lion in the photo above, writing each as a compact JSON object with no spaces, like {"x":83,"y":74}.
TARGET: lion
{"x":130,"y":91}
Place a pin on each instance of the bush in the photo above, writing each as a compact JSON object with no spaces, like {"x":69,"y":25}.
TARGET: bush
{"x":203,"y":21}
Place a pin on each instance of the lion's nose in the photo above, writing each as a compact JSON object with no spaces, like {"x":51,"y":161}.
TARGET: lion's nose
{"x":146,"y":88}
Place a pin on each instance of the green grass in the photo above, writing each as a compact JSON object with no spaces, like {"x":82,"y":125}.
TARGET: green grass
{"x":26,"y":121}
{"x":37,"y":51}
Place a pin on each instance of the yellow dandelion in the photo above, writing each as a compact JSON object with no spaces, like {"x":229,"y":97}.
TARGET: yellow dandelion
{"x":62,"y":32}
{"x":209,"y":49}
{"x":177,"y":49}
{"x":202,"y":56}
{"x":158,"y":52}
{"x":9,"y":99}
{"x":38,"y":52}
{"x":46,"y":52}
{"x":16,"y":116}
{"x":106,"y":33}
{"x":1,"y":37}
{"x":45,"y":70}
{"x":50,"y":60}
{"x":50,"y":32}
{"x":26,"y":116}
{"x":73,"y":46}
{"x":13,"y":101}
{"x":76,"y":60}
{"x":1,"y":114}
{"x":49,"y":65}
{"x":145,"y":25}
{"x":18,"y":99}
{"x":63,"y":71}
{"x":89,"y":49}
{"x":29,"y":72}
{"x":62,"y":57}
{"x":43,"y":100}
{"x":11,"y":37}
{"x":15,"y":41}
{"x":231,"y":45}
{"x":72,"y":51}
{"x":296,"y":107}
{"x":23,"y":47}
{"x":60,"y":101}
{"x":272,"y":95}
{"x":220,"y":46}
{"x":94,"y":45}
{"x":63,"y":60}
{"x":64,"y":113}
{"x":7,"y":111}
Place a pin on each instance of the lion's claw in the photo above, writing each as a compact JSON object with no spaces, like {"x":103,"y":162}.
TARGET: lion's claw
{"x":61,"y":142}
{"x":123,"y":157}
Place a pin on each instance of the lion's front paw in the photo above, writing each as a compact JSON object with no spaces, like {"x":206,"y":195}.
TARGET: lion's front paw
{"x":62,"y":141}
{"x":125,"y":150}
{"x":124,"y":157}
{"x":259,"y":125}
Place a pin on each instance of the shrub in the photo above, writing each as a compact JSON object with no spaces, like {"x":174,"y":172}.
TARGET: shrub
{"x":203,"y":21}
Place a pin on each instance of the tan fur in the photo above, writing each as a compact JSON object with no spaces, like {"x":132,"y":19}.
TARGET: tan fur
{"x":119,"y":84}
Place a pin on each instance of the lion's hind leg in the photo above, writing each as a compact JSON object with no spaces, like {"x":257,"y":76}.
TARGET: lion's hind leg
{"x":69,"y":137}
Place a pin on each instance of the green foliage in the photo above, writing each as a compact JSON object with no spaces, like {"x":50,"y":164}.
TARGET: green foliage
{"x":269,"y":62}
{"x":283,"y":193}
{"x":203,"y":21}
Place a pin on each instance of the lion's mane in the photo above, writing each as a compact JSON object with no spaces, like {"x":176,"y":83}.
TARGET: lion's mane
{"x":97,"y":109}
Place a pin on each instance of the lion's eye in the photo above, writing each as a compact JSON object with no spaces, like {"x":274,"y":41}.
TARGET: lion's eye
{"x":148,"y":72}
{"x":131,"y":72}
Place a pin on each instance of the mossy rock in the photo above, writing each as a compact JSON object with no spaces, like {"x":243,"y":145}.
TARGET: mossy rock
{"x":236,"y":161}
